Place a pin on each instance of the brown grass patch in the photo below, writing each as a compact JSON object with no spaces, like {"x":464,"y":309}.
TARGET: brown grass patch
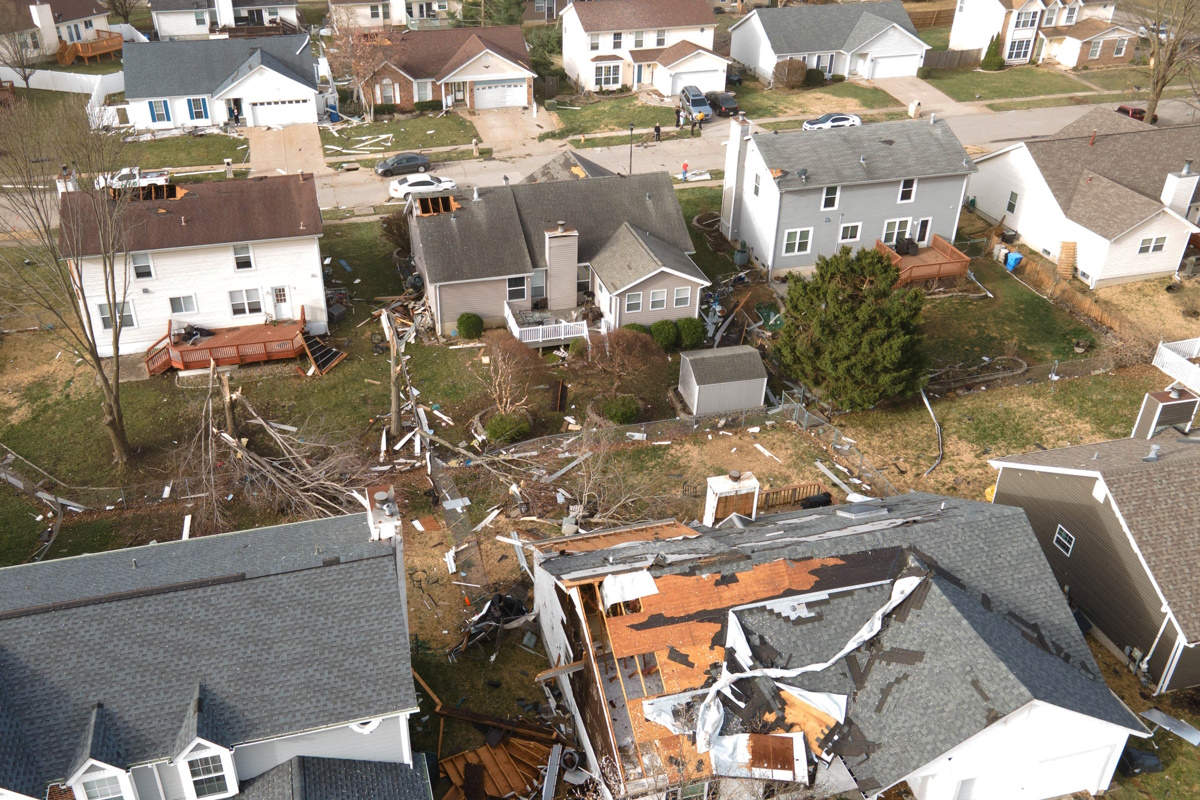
{"x":37,"y":362}
{"x":1168,"y":315}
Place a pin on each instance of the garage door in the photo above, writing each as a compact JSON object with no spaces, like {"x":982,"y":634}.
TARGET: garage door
{"x":710,"y":80}
{"x":501,"y":94}
{"x":895,"y":66}
{"x":281,"y":112}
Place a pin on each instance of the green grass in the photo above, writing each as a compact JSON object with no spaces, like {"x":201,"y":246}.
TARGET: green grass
{"x":865,"y":96}
{"x":1080,"y":100}
{"x":140,"y":18}
{"x":961,"y":330}
{"x":19,"y":533}
{"x":758,"y":101}
{"x":1125,"y":79}
{"x":408,"y":134}
{"x":102,"y":66}
{"x":611,"y":115}
{"x":191,"y":151}
{"x":936,"y":38}
{"x":312,"y":13}
{"x":694,"y":201}
{"x":39,"y":97}
{"x":969,"y":84}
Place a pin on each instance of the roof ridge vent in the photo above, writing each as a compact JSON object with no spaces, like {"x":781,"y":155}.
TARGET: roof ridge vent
{"x":1154,"y":448}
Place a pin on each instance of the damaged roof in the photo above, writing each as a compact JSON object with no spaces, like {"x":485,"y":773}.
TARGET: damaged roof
{"x":309,"y":778}
{"x":439,"y":52}
{"x":566,"y":166}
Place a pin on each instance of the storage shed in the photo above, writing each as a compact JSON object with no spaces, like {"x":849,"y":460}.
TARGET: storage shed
{"x":723,"y":379}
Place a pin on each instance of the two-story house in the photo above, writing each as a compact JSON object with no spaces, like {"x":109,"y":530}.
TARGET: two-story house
{"x":45,"y":27}
{"x":552,"y":260}
{"x":1070,"y":33}
{"x":268,"y":663}
{"x":196,"y":19}
{"x":359,"y":14}
{"x":1108,"y":198}
{"x":271,"y":80}
{"x":666,"y":44}
{"x":213,"y":255}
{"x":793,"y":197}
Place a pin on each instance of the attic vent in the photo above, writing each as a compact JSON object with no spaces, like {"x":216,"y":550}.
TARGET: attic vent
{"x":1153,"y":453}
{"x":862,"y":511}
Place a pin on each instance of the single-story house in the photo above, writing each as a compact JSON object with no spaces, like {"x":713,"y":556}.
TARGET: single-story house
{"x":866,"y":40}
{"x":478,"y":68}
{"x":1114,"y":197}
{"x":716,"y":380}
{"x":1092,"y":42}
{"x":196,"y":19}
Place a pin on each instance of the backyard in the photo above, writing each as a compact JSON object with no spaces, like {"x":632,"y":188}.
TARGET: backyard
{"x":427,"y":130}
{"x":936,"y":38}
{"x":966,"y":85}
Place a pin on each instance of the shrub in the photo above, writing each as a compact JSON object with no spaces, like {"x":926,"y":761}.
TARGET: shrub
{"x":790,"y":73}
{"x":470,"y":326}
{"x":578,"y":348}
{"x":836,"y":78}
{"x":636,"y":327}
{"x":622,"y":410}
{"x":395,"y":230}
{"x":691,"y":333}
{"x":665,"y":333}
{"x":428,"y":105}
{"x":924,"y":72}
{"x":385,"y":108}
{"x":814,"y":77}
{"x":505,"y":428}
{"x":992,"y":60}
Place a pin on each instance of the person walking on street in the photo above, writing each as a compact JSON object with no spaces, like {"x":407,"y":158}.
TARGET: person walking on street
{"x":657,"y":132}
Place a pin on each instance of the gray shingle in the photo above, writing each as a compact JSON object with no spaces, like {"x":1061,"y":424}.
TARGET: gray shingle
{"x":567,"y":166}
{"x":200,"y":67}
{"x":308,"y":778}
{"x":198,"y":723}
{"x":631,"y":255}
{"x":893,"y":150}
{"x":725,"y":364}
{"x":809,"y":29}
{"x":97,"y":742}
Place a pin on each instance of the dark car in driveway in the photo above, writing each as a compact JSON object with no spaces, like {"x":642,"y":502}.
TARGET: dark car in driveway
{"x":723,"y":104}
{"x":402,"y":163}
{"x":1136,"y":113}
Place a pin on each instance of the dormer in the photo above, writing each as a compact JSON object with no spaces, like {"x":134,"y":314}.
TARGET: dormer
{"x":98,"y":771}
{"x":205,"y":766}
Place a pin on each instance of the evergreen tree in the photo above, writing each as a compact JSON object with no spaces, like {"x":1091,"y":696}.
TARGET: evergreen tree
{"x":489,"y":13}
{"x":849,"y":333}
{"x":992,"y":60}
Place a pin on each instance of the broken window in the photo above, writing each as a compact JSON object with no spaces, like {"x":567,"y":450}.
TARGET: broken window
{"x":141,"y":266}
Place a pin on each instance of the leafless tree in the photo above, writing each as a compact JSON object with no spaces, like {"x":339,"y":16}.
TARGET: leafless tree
{"x":615,"y":492}
{"x":789,"y":73}
{"x":356,"y":53}
{"x":20,"y":41}
{"x":1171,"y":42}
{"x":63,"y":269}
{"x":623,"y":355}
{"x":122,"y":8}
{"x":511,"y":371}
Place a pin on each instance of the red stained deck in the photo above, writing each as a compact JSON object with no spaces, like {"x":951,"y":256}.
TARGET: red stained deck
{"x":940,"y":260}
{"x":245,"y":344}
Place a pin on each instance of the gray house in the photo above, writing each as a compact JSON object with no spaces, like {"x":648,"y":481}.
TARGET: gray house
{"x":1117,"y":521}
{"x":212,"y":667}
{"x":796,"y":196}
{"x":555,"y":260}
{"x":713,"y":381}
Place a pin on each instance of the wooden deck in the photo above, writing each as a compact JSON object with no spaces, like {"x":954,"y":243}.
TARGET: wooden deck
{"x":106,"y":43}
{"x":940,"y":260}
{"x":246,"y":344}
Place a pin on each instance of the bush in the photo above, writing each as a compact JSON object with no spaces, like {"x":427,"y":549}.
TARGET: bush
{"x":622,"y":410}
{"x":789,"y":74}
{"x":395,"y":230}
{"x":578,"y":348}
{"x":428,"y":105}
{"x":665,"y":333}
{"x":814,"y":77}
{"x":636,"y":327}
{"x":924,"y":72}
{"x":992,"y":60}
{"x":505,"y":428}
{"x":836,"y":78}
{"x":470,"y":326}
{"x":691,"y":333}
{"x":385,"y":108}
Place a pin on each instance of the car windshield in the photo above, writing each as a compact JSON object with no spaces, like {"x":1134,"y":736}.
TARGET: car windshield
{"x":698,"y":102}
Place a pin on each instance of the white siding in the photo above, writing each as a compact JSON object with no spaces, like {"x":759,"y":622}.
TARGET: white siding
{"x":717,"y":398}
{"x":360,"y":14}
{"x":139,"y":114}
{"x":1102,"y":11}
{"x":389,"y":742}
{"x":261,"y":85}
{"x":662,"y":282}
{"x":892,"y":42}
{"x":756,"y":217}
{"x":1125,"y":263}
{"x":975,"y":24}
{"x":704,"y":71}
{"x":180,"y":25}
{"x":687,"y":383}
{"x":750,"y":47}
{"x":577,"y":55}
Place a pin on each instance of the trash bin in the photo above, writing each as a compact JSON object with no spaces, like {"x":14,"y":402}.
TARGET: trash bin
{"x":1012,"y":261}
{"x":334,"y":116}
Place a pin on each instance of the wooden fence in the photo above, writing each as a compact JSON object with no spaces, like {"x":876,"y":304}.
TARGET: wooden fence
{"x":936,"y":18}
{"x":953,"y":59}
{"x":788,"y":495}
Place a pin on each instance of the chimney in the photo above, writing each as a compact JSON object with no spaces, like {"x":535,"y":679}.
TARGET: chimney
{"x":1171,"y":407}
{"x":224,"y":9}
{"x":384,"y":515}
{"x":562,"y":265}
{"x":1179,"y":189}
{"x":735,"y":176}
{"x":66,"y":181}
{"x":735,"y":493}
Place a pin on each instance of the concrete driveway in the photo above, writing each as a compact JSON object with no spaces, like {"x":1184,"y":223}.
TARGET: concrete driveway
{"x":510,"y":131}
{"x":933,"y":101}
{"x":296,"y":148}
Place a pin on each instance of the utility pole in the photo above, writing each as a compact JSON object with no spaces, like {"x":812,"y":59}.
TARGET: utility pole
{"x":389,"y":330}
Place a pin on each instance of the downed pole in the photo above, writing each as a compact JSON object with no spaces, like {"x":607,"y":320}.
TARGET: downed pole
{"x":937,"y":426}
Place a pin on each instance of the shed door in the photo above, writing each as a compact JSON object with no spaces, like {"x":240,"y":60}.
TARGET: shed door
{"x":500,"y":94}
{"x":735,"y":504}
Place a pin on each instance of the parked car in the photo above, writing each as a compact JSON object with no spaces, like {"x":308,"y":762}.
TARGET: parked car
{"x":402,"y":163}
{"x":133,"y":176}
{"x":1136,"y":113}
{"x":723,"y":104}
{"x":694,"y":106}
{"x":402,"y":188}
{"x":826,"y":121}
{"x":1145,"y":34}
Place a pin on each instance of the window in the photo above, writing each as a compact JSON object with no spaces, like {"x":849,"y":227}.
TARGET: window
{"x":608,"y":75}
{"x":1026,"y":19}
{"x":183,"y":305}
{"x":272,"y":13}
{"x":850,"y":232}
{"x":593,"y":41}
{"x":583,"y":278}
{"x":387,"y":92}
{"x":617,"y":41}
{"x":539,"y":6}
{"x":537,"y":284}
{"x":1119,"y":50}
{"x":1019,"y":50}
{"x":241,"y":257}
{"x":516,"y":288}
{"x":756,"y":180}
{"x":197,"y":108}
{"x":208,"y":776}
{"x":245,"y":301}
{"x":160,"y":111}
{"x":908,"y":190}
{"x":660,"y":38}
{"x":1012,"y":203}
{"x":106,"y":317}
{"x":796,"y":242}
{"x":1094,"y":50}
{"x":658,"y":299}
{"x":102,"y":788}
{"x":633,"y":302}
{"x":923,"y":227}
{"x":87,"y":24}
{"x":1051,"y":17}
{"x":424,"y":91}
{"x":895,"y":229}
{"x":1064,"y":541}
{"x":1072,"y":13}
{"x":201,"y":18}
{"x":142,"y":269}
{"x":637,"y":38}
{"x":830,"y":200}
{"x":29,"y":40}
{"x":1154,"y":245}
{"x":374,"y":12}
{"x":683,"y":297}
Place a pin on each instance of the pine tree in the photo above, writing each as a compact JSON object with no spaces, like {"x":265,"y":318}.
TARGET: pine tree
{"x":489,"y":13}
{"x":849,"y":333}
{"x":992,"y":60}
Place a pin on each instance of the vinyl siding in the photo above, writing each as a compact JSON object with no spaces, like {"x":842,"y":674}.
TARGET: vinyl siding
{"x":180,"y":25}
{"x":749,"y":46}
{"x":736,"y":396}
{"x":1187,"y":671}
{"x":485,"y":298}
{"x":562,"y":260}
{"x":687,"y":384}
{"x":663,"y":280}
{"x":756,"y":217}
{"x":976,"y":24}
{"x":1124,"y":263}
{"x":388,"y":742}
{"x":892,"y":42}
{"x":360,"y":15}
{"x":577,"y":55}
{"x":1107,"y":579}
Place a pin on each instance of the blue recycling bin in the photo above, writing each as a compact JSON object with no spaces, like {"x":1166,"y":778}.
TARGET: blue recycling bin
{"x":1012,"y":261}
{"x":334,"y":116}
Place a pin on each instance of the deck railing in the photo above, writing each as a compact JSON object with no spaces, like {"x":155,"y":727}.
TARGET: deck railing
{"x":164,"y":354}
{"x":949,"y":262}
{"x":788,"y":495}
{"x":105,"y":42}
{"x":1174,"y":358}
{"x":549,"y":332}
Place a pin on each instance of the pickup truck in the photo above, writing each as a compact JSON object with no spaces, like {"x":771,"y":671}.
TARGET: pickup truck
{"x":133,"y":177}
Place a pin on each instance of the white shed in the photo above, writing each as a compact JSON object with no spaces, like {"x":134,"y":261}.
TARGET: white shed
{"x":723,"y":379}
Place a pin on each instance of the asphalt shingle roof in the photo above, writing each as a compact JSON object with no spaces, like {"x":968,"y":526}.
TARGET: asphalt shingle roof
{"x":437,"y":52}
{"x":628,"y":15}
{"x":200,"y":67}
{"x":308,"y":778}
{"x":631,"y":255}
{"x":1083,"y":30}
{"x":725,"y":364}
{"x":892,"y":150}
{"x":809,"y":29}
{"x":566,"y":166}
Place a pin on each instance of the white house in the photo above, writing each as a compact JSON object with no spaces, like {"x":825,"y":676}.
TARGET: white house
{"x":213,"y":255}
{"x":213,"y":667}
{"x":196,"y":19}
{"x":1028,"y":29}
{"x":1113,"y":196}
{"x":266,"y":81}
{"x":866,"y":40}
{"x":377,"y":14}
{"x":54,"y":21}
{"x":666,"y":44}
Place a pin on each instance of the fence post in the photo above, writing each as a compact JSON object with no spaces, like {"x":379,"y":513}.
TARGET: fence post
{"x":123,"y":503}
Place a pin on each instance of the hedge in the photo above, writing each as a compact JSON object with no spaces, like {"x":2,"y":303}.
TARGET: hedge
{"x":428,"y":105}
{"x":469,"y":326}
{"x":691,"y":333}
{"x":622,"y":410}
{"x":814,"y":77}
{"x":505,"y":428}
{"x":636,"y":326}
{"x":578,"y":348}
{"x":665,"y":333}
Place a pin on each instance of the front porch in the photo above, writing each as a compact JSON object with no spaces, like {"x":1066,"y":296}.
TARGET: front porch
{"x":939,"y":260}
{"x":545,"y":328}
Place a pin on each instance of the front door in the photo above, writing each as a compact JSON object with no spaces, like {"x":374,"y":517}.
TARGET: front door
{"x":638,"y":80}
{"x":283,"y":309}
{"x":233,"y":109}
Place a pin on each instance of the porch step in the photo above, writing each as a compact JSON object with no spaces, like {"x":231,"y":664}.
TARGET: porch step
{"x":323,"y":357}
{"x":1066,"y":260}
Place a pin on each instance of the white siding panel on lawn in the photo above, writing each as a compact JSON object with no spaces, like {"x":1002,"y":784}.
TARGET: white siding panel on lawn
{"x":976,"y":24}
{"x":1125,"y":263}
{"x":179,"y":25}
{"x":388,"y":743}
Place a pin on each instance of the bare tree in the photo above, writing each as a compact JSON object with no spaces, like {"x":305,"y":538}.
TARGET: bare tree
{"x":64,"y":270}
{"x":789,"y":73}
{"x":623,"y":355}
{"x":511,"y":371}
{"x":612,"y":492}
{"x":1171,"y":41}
{"x":122,"y":8}
{"x":356,"y":53}
{"x":20,"y":41}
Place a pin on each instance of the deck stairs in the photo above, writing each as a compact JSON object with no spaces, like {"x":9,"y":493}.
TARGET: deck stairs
{"x":324,"y":357}
{"x":1066,"y":260}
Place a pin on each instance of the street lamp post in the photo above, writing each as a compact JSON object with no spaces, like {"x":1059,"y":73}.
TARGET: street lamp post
{"x":631,"y":148}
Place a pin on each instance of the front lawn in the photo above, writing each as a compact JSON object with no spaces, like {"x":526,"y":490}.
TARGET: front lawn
{"x":192,"y":151}
{"x":407,"y":134}
{"x":936,"y":38}
{"x":865,"y":96}
{"x":965,"y":85}
{"x":758,"y":101}
{"x":612,"y":115}
{"x":1126,"y":79}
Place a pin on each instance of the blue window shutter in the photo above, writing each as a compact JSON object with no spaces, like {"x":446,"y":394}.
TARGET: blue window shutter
{"x":204,"y":105}
{"x":167,"y":109}
{"x":191,"y":110}
{"x":153,"y":116}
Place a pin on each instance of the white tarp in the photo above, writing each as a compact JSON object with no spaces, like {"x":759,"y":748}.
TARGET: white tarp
{"x":627,"y":586}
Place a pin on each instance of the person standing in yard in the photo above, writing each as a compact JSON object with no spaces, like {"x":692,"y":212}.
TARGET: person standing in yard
{"x":657,"y":132}
{"x":678,"y":119}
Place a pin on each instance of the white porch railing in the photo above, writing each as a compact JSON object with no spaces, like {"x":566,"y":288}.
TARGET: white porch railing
{"x":1173,"y":359}
{"x":549,"y":332}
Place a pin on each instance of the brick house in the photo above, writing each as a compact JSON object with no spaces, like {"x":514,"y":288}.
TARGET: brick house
{"x":1068,"y":32}
{"x":478,"y":68}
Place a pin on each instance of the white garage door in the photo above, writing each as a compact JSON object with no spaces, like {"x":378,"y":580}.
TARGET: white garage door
{"x":709,"y":80}
{"x":501,"y":94}
{"x":281,"y":112}
{"x":894,"y":66}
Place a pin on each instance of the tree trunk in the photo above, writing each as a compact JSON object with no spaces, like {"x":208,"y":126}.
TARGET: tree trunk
{"x":228,"y":401}
{"x":114,"y":424}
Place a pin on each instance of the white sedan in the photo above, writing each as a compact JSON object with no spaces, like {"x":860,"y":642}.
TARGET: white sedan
{"x":826,"y":121}
{"x":402,"y":188}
